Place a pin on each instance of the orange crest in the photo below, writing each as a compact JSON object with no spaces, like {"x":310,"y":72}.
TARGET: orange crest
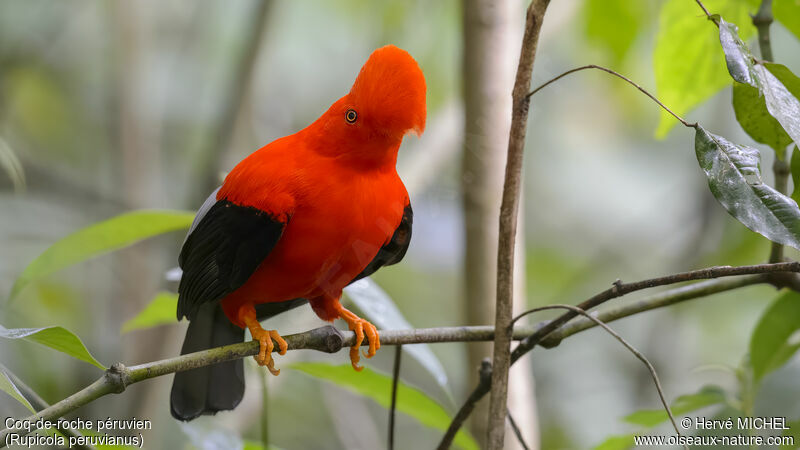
{"x":389,"y":92}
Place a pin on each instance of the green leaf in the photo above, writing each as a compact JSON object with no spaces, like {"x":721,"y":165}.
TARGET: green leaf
{"x":101,"y":238}
{"x":689,"y":68}
{"x":255,"y":445}
{"x":57,"y":338}
{"x":8,"y":386}
{"x":377,"y":386}
{"x":794,"y":168}
{"x":788,"y":13}
{"x":794,"y":432}
{"x":707,"y":396}
{"x":738,"y":58}
{"x":781,"y":89}
{"x":13,"y":168}
{"x":756,"y":121}
{"x":613,"y":24}
{"x":735,"y":180}
{"x":619,"y":442}
{"x":771,"y":343}
{"x":380,"y":309}
{"x":160,"y":311}
{"x":775,"y":82}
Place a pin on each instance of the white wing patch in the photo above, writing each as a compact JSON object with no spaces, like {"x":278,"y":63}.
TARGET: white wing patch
{"x":210,"y":201}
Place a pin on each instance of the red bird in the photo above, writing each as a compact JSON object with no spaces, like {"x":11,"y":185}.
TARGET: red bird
{"x":301,"y":218}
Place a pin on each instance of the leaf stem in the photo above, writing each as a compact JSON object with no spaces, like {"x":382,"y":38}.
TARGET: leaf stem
{"x":703,"y":7}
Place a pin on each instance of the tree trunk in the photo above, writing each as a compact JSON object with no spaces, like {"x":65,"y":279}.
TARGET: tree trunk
{"x":492,"y":34}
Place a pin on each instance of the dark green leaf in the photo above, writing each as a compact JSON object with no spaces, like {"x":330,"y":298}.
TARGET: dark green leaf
{"x":613,"y":24}
{"x":752,"y":115}
{"x":160,"y":311}
{"x":100,"y":238}
{"x":795,"y":169}
{"x":735,"y":180}
{"x":781,"y":104}
{"x":771,"y":343}
{"x":788,"y":13}
{"x":57,"y":338}
{"x":8,"y":386}
{"x":737,"y":56}
{"x":689,"y":68}
{"x":707,"y":396}
{"x":619,"y":442}
{"x":376,"y":386}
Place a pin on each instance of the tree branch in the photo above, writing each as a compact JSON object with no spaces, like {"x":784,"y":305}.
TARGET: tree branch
{"x":762,"y":21}
{"x":330,"y":340}
{"x":660,"y":300}
{"x":509,"y":208}
{"x":618,"y":75}
{"x":619,"y":289}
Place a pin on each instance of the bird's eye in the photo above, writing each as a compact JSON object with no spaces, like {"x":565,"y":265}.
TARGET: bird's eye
{"x":350,"y":116}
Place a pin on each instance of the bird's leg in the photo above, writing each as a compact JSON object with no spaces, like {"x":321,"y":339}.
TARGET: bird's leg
{"x":247,"y":314}
{"x":360,"y":327}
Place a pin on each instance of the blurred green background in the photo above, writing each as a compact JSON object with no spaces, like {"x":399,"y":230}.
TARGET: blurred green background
{"x":113,"y":106}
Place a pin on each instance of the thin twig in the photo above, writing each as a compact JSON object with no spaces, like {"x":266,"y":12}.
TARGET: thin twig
{"x":398,"y":353}
{"x":627,"y":345}
{"x":484,"y":381}
{"x":516,"y":430}
{"x":660,"y":300}
{"x":618,"y":75}
{"x":509,"y":209}
{"x":264,"y":409}
{"x":703,"y":7}
{"x":619,"y":289}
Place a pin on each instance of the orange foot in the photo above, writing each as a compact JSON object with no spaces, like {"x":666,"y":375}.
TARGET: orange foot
{"x":361,"y":327}
{"x":264,"y":337}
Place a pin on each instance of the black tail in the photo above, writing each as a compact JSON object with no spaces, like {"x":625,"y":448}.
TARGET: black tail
{"x":207,"y":390}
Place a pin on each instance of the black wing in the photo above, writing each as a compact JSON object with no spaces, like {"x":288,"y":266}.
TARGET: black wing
{"x":393,"y":251}
{"x":224,"y":248}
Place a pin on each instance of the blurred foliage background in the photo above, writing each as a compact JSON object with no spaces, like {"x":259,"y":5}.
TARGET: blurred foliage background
{"x":111,"y":106}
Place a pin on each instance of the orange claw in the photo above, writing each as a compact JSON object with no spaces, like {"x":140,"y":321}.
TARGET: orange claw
{"x":265,"y":338}
{"x":360,"y":327}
